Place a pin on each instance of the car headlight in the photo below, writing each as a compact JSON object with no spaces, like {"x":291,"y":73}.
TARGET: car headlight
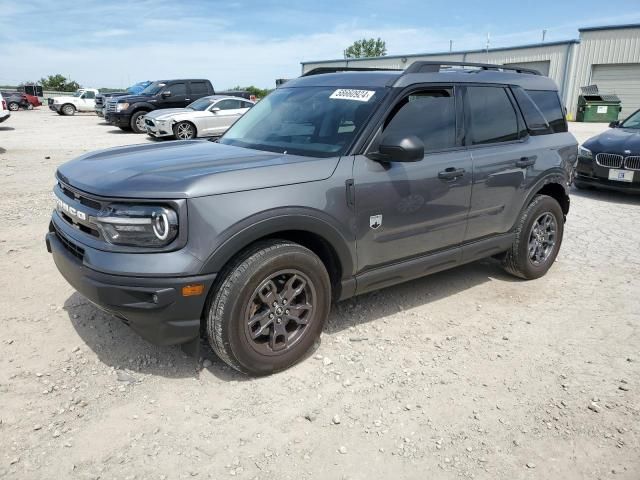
{"x":121,"y":106}
{"x":137,"y":225}
{"x":584,"y":152}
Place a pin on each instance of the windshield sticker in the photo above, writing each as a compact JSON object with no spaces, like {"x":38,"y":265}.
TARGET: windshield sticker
{"x":350,"y":94}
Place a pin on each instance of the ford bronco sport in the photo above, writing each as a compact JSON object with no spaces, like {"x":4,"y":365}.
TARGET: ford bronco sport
{"x":335,"y":184}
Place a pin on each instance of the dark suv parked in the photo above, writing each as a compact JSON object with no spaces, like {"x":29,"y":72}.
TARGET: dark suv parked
{"x":333,"y":185}
{"x":127,"y":112}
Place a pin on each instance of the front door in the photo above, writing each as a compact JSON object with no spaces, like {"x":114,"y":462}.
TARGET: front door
{"x":87,"y":102}
{"x":224,"y":113}
{"x":405,"y":210}
{"x":178,"y":97}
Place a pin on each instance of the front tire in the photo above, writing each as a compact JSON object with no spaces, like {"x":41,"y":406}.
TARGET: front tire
{"x":68,"y":109}
{"x":184,"y":131}
{"x":269,"y":308}
{"x":538,"y":238}
{"x":13,"y":106}
{"x":137,"y":122}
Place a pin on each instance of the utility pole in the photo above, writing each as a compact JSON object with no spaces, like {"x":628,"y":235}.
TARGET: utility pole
{"x":544,"y":34}
{"x":488,"y":42}
{"x":450,"y":46}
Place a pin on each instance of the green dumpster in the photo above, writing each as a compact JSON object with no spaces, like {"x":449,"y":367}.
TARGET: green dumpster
{"x":594,"y":106}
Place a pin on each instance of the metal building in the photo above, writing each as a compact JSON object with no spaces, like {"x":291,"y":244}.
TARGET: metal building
{"x":606,"y":56}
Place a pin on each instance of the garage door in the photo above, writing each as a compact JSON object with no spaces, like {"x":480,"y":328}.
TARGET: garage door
{"x":621,"y":79}
{"x":542,"y":67}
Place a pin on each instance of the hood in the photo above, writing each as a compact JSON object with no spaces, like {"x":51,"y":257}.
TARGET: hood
{"x":135,"y":98}
{"x":616,"y":140}
{"x":185,"y":169}
{"x":64,"y":98}
{"x":167,"y":112}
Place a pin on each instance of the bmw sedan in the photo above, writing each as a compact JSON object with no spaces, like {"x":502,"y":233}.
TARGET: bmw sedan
{"x":611,"y":160}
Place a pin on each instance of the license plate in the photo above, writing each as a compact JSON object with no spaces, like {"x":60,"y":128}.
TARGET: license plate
{"x":621,"y":175}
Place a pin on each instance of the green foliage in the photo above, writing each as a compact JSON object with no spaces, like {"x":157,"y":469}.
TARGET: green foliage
{"x":371,"y":47}
{"x":258,"y":92}
{"x":59,"y":83}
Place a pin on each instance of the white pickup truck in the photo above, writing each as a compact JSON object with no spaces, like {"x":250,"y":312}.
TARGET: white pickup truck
{"x":84,"y":100}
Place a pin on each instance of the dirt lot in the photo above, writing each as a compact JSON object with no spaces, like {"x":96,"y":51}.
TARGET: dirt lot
{"x":464,"y":374}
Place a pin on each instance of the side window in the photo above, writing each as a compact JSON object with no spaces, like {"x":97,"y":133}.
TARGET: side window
{"x":199,"y":88}
{"x":89,"y":95}
{"x":549,"y":104}
{"x":536,"y":122}
{"x":247,"y":105}
{"x":228,"y":104}
{"x":177,"y":89}
{"x":491,"y":115}
{"x":428,"y":114}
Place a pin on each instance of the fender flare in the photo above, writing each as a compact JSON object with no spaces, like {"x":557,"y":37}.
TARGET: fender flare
{"x":270,"y":223}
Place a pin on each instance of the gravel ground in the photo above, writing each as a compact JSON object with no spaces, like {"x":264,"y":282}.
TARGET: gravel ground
{"x":465,"y":374}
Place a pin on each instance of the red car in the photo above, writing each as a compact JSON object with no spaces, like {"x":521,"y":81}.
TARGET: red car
{"x":15,"y":100}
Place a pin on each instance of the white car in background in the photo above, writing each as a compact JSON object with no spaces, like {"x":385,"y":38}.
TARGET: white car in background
{"x":4,"y":111}
{"x":83,"y":100}
{"x":206,"y":117}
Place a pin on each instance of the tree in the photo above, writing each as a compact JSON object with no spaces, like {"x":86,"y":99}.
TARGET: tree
{"x":59,"y":83}
{"x":258,"y":92}
{"x":367,"y":48}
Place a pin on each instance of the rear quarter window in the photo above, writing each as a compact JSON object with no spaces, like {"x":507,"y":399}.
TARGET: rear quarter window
{"x":549,"y":104}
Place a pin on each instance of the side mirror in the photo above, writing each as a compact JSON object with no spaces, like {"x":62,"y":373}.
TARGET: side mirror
{"x":398,"y":148}
{"x":166,"y":94}
{"x":615,"y":124}
{"x":215,"y":109}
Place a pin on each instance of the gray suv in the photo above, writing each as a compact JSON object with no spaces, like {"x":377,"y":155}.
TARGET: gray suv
{"x":334,"y":185}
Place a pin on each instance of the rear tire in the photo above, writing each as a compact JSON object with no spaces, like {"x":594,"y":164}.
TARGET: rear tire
{"x":538,"y":239}
{"x":137,"y":122}
{"x":251,"y":324}
{"x":29,"y":106}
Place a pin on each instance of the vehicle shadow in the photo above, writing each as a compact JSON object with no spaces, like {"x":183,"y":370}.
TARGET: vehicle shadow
{"x":6,"y":129}
{"x":118,"y":346}
{"x":607,"y":195}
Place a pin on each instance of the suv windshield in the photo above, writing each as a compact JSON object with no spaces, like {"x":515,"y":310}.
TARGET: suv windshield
{"x":154,"y":88}
{"x":201,"y":104}
{"x":633,"y":121}
{"x":310,"y":121}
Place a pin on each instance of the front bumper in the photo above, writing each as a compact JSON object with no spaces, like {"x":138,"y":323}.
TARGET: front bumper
{"x":118,"y":119}
{"x":158,"y":130}
{"x":589,"y":173}
{"x":152,"y":306}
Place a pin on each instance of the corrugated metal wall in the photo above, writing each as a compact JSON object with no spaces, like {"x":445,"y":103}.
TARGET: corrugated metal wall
{"x":596,"y":47}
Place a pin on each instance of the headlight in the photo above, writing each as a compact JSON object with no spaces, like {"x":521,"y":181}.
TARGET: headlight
{"x":584,"y":152}
{"x":137,"y":225}
{"x":121,"y":106}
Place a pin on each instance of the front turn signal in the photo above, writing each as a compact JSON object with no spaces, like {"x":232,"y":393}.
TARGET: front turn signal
{"x":192,"y":290}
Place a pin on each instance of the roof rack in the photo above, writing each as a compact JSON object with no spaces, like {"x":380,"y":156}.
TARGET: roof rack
{"x":433,"y":67}
{"x":321,"y":70}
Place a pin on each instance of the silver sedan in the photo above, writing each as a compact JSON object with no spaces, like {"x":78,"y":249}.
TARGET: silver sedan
{"x":206,"y":117}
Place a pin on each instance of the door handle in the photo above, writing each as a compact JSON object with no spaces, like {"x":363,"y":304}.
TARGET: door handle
{"x":525,"y":162}
{"x":451,"y":173}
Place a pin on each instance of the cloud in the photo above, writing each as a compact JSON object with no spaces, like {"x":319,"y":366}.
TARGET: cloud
{"x":114,"y":32}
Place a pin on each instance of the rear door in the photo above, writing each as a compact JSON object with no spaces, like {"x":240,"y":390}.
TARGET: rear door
{"x":198,"y":89}
{"x":405,"y":209}
{"x":502,"y":156}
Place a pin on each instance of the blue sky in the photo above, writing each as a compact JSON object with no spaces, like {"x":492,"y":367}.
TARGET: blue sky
{"x":114,"y":43}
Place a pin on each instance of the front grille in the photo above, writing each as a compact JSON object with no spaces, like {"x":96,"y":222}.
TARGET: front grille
{"x":99,"y":101}
{"x":75,"y":250}
{"x":80,"y":198}
{"x":609,"y":160}
{"x":632,"y":163}
{"x":50,"y":101}
{"x":111,"y":106}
